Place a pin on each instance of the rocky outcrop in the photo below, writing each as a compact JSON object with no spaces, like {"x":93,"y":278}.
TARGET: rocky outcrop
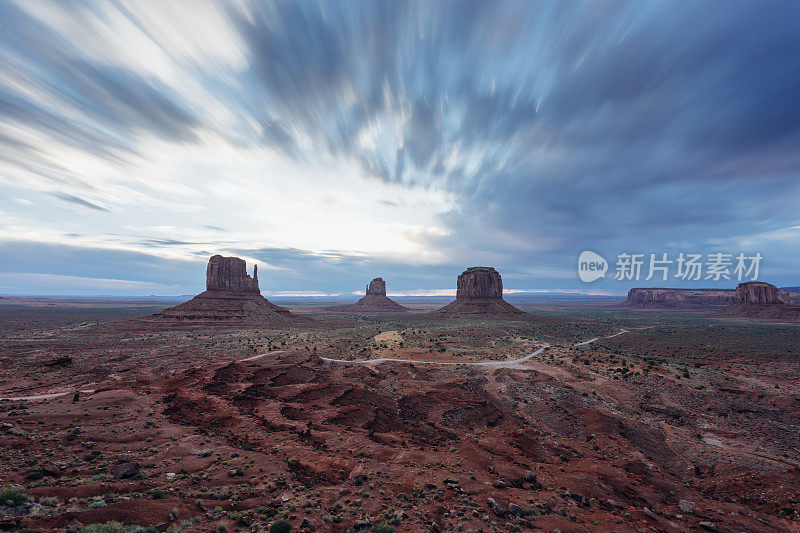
{"x":660,"y":298}
{"x":230,"y":274}
{"x":374,"y":301}
{"x":758,"y":300}
{"x":789,"y":295}
{"x":479,"y":282}
{"x":757,"y":292}
{"x":377,"y":287}
{"x":231,"y":298}
{"x":479,"y":293}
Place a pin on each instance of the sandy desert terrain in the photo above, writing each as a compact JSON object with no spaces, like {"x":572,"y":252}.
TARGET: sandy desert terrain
{"x":682,"y":422}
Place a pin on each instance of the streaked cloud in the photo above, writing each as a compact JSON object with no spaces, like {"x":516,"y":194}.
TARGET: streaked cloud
{"x":327,"y":141}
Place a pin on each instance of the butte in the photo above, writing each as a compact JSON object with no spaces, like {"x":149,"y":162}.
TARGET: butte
{"x":757,"y":300}
{"x":231,"y":298}
{"x":374,"y":301}
{"x":479,"y":293}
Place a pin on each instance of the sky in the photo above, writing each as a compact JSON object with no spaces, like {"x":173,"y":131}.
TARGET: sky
{"x":332,"y":142}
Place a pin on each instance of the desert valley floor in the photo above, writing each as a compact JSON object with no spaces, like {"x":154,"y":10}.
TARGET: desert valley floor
{"x":666,"y":421}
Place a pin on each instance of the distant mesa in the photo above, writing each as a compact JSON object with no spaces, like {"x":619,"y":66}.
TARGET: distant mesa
{"x":479,"y":293}
{"x":757,"y":292}
{"x":231,"y":298}
{"x":763,"y":301}
{"x":664,"y":298}
{"x":790,"y":295}
{"x":374,"y":301}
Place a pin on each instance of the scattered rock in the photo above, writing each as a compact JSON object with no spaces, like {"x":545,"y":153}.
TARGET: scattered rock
{"x":495,"y":506}
{"x":583,"y":501}
{"x":687,"y":506}
{"x":650,"y":513}
{"x":499,"y":484}
{"x":307,"y":524}
{"x":62,"y":361}
{"x":708,"y":526}
{"x":516,"y":510}
{"x":125,"y":470}
{"x":51,"y":469}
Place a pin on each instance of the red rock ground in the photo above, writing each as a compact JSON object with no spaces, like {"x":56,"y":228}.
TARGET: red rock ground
{"x":605,"y":437}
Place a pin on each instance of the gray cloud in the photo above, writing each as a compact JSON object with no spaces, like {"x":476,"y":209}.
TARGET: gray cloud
{"x":81,"y":201}
{"x":556,"y":126}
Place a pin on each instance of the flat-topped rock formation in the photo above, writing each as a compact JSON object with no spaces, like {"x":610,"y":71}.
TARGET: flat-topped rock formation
{"x":479,"y":293}
{"x":662,"y":298}
{"x":374,"y":301}
{"x":757,"y":292}
{"x":789,"y":295}
{"x":231,"y":298}
{"x":666,"y":298}
{"x":230,"y":274}
{"x":762,"y":301}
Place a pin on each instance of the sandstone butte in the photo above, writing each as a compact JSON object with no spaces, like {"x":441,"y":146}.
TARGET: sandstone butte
{"x":374,"y":301}
{"x":762,"y":301}
{"x":666,"y":298}
{"x":231,"y":298}
{"x":479,"y":293}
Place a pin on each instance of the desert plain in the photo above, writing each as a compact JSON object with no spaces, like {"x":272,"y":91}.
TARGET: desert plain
{"x":621,"y":420}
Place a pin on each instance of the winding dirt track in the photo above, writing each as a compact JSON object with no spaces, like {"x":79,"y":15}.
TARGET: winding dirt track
{"x":482,"y":363}
{"x":509,"y":362}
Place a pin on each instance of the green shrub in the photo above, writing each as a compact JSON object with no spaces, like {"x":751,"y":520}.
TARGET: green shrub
{"x":16,"y":497}
{"x":108,"y":527}
{"x":280,"y":526}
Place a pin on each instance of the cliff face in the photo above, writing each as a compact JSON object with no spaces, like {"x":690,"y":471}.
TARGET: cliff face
{"x":479,"y":282}
{"x":377,"y":286}
{"x":479,"y":293}
{"x":750,"y":292}
{"x":762,"y":301}
{"x":230,"y":274}
{"x":757,"y":292}
{"x":657,"y":298}
{"x":789,"y":297}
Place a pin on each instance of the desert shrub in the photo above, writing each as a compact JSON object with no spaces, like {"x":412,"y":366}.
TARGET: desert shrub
{"x":48,"y":501}
{"x":13,"y":496}
{"x":280,"y":526}
{"x":108,"y":527}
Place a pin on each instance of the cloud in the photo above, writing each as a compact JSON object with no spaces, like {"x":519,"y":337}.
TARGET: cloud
{"x":81,"y":201}
{"x":418,"y":137}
